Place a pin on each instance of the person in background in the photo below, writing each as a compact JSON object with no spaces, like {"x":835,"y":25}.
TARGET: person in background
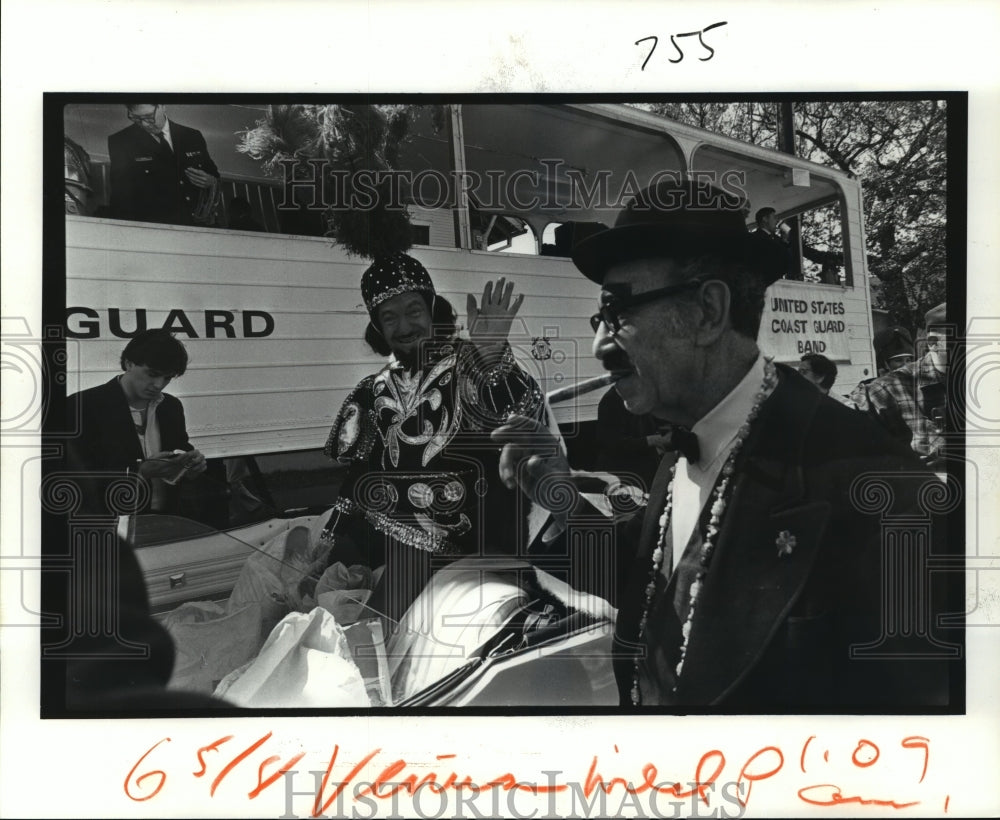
{"x":822,"y":372}
{"x":818,"y":369}
{"x":77,"y":191}
{"x":893,"y":349}
{"x":422,"y":472}
{"x":775,"y":236}
{"x":129,"y":426}
{"x":767,"y":225}
{"x":910,"y":401}
{"x":161,"y":170}
{"x":751,"y":573}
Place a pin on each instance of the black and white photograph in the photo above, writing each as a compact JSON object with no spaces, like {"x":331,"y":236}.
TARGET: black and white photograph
{"x":402,"y":462}
{"x":403,"y":453}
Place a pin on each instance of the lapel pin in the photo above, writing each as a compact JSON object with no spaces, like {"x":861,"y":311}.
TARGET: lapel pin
{"x":786,"y":543}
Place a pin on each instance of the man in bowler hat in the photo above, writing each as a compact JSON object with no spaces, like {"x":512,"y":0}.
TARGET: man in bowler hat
{"x":753,"y":580}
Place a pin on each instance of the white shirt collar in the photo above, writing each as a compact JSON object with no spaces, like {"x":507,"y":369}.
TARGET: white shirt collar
{"x":166,"y":132}
{"x":716,"y":433}
{"x":717,"y":428}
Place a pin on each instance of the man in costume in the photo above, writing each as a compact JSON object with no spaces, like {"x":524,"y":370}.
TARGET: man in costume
{"x":130,"y":427}
{"x":160,"y":170}
{"x":422,"y":471}
{"x":753,"y":572}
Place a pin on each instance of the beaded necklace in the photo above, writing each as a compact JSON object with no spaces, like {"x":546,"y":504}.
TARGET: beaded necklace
{"x":720,"y":499}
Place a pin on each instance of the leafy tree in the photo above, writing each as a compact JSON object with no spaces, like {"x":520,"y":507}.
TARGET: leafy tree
{"x":897,"y":148}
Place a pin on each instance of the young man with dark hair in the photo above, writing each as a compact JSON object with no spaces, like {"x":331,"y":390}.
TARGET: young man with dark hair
{"x":130,"y":427}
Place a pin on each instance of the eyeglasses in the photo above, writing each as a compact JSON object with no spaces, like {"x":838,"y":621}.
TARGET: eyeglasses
{"x":149,"y":119}
{"x":611,"y":307}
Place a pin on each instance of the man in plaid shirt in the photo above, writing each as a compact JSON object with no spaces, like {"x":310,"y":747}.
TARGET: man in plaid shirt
{"x":910,"y":401}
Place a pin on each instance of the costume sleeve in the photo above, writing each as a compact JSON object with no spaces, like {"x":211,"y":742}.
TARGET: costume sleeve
{"x":491,"y":394}
{"x":352,"y":436}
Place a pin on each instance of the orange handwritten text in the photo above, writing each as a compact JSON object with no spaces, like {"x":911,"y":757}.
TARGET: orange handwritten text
{"x":138,"y":780}
{"x":750,"y":775}
{"x":253,"y":766}
{"x":827,"y":794}
{"x":595,"y":780}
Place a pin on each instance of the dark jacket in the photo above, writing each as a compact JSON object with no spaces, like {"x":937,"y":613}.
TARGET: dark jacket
{"x":106,"y":447}
{"x":148,"y":183}
{"x":775,"y":633}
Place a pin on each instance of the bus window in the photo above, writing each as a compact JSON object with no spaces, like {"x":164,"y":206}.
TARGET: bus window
{"x":823,"y":246}
{"x":558,"y":238}
{"x":500,"y":233}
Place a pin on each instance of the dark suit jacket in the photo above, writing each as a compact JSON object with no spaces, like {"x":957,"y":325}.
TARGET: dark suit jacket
{"x":106,"y":441}
{"x":148,"y":184}
{"x":772,"y":633}
{"x":777,"y":252}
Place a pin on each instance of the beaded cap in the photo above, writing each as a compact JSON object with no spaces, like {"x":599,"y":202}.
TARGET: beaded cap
{"x":391,"y":275}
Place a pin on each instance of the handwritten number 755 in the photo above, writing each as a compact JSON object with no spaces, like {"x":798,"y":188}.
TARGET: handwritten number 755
{"x":680,"y":53}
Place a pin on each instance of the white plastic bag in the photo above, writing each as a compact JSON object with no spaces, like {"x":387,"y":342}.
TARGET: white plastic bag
{"x":211,"y":642}
{"x":343,"y":592}
{"x":273,"y":576}
{"x":305,"y":662}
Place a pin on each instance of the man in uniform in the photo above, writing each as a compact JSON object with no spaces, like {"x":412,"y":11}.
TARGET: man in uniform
{"x":160,"y":170}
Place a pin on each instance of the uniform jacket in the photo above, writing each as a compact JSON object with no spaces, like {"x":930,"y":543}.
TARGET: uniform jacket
{"x":148,"y":183}
{"x":106,"y":441}
{"x":773,"y":632}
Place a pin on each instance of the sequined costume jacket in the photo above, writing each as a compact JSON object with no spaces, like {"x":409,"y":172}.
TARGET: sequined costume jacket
{"x":422,"y":468}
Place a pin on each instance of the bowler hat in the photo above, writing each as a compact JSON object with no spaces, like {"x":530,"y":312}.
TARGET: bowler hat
{"x":680,"y":219}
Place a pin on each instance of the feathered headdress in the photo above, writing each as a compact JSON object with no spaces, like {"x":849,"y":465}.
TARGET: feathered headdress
{"x":364,"y":219}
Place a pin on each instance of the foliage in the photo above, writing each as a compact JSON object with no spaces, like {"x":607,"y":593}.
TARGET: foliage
{"x":354,"y":142}
{"x":897,"y":148}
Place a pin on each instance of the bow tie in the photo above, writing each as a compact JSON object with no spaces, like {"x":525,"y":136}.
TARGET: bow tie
{"x":684,"y":442}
